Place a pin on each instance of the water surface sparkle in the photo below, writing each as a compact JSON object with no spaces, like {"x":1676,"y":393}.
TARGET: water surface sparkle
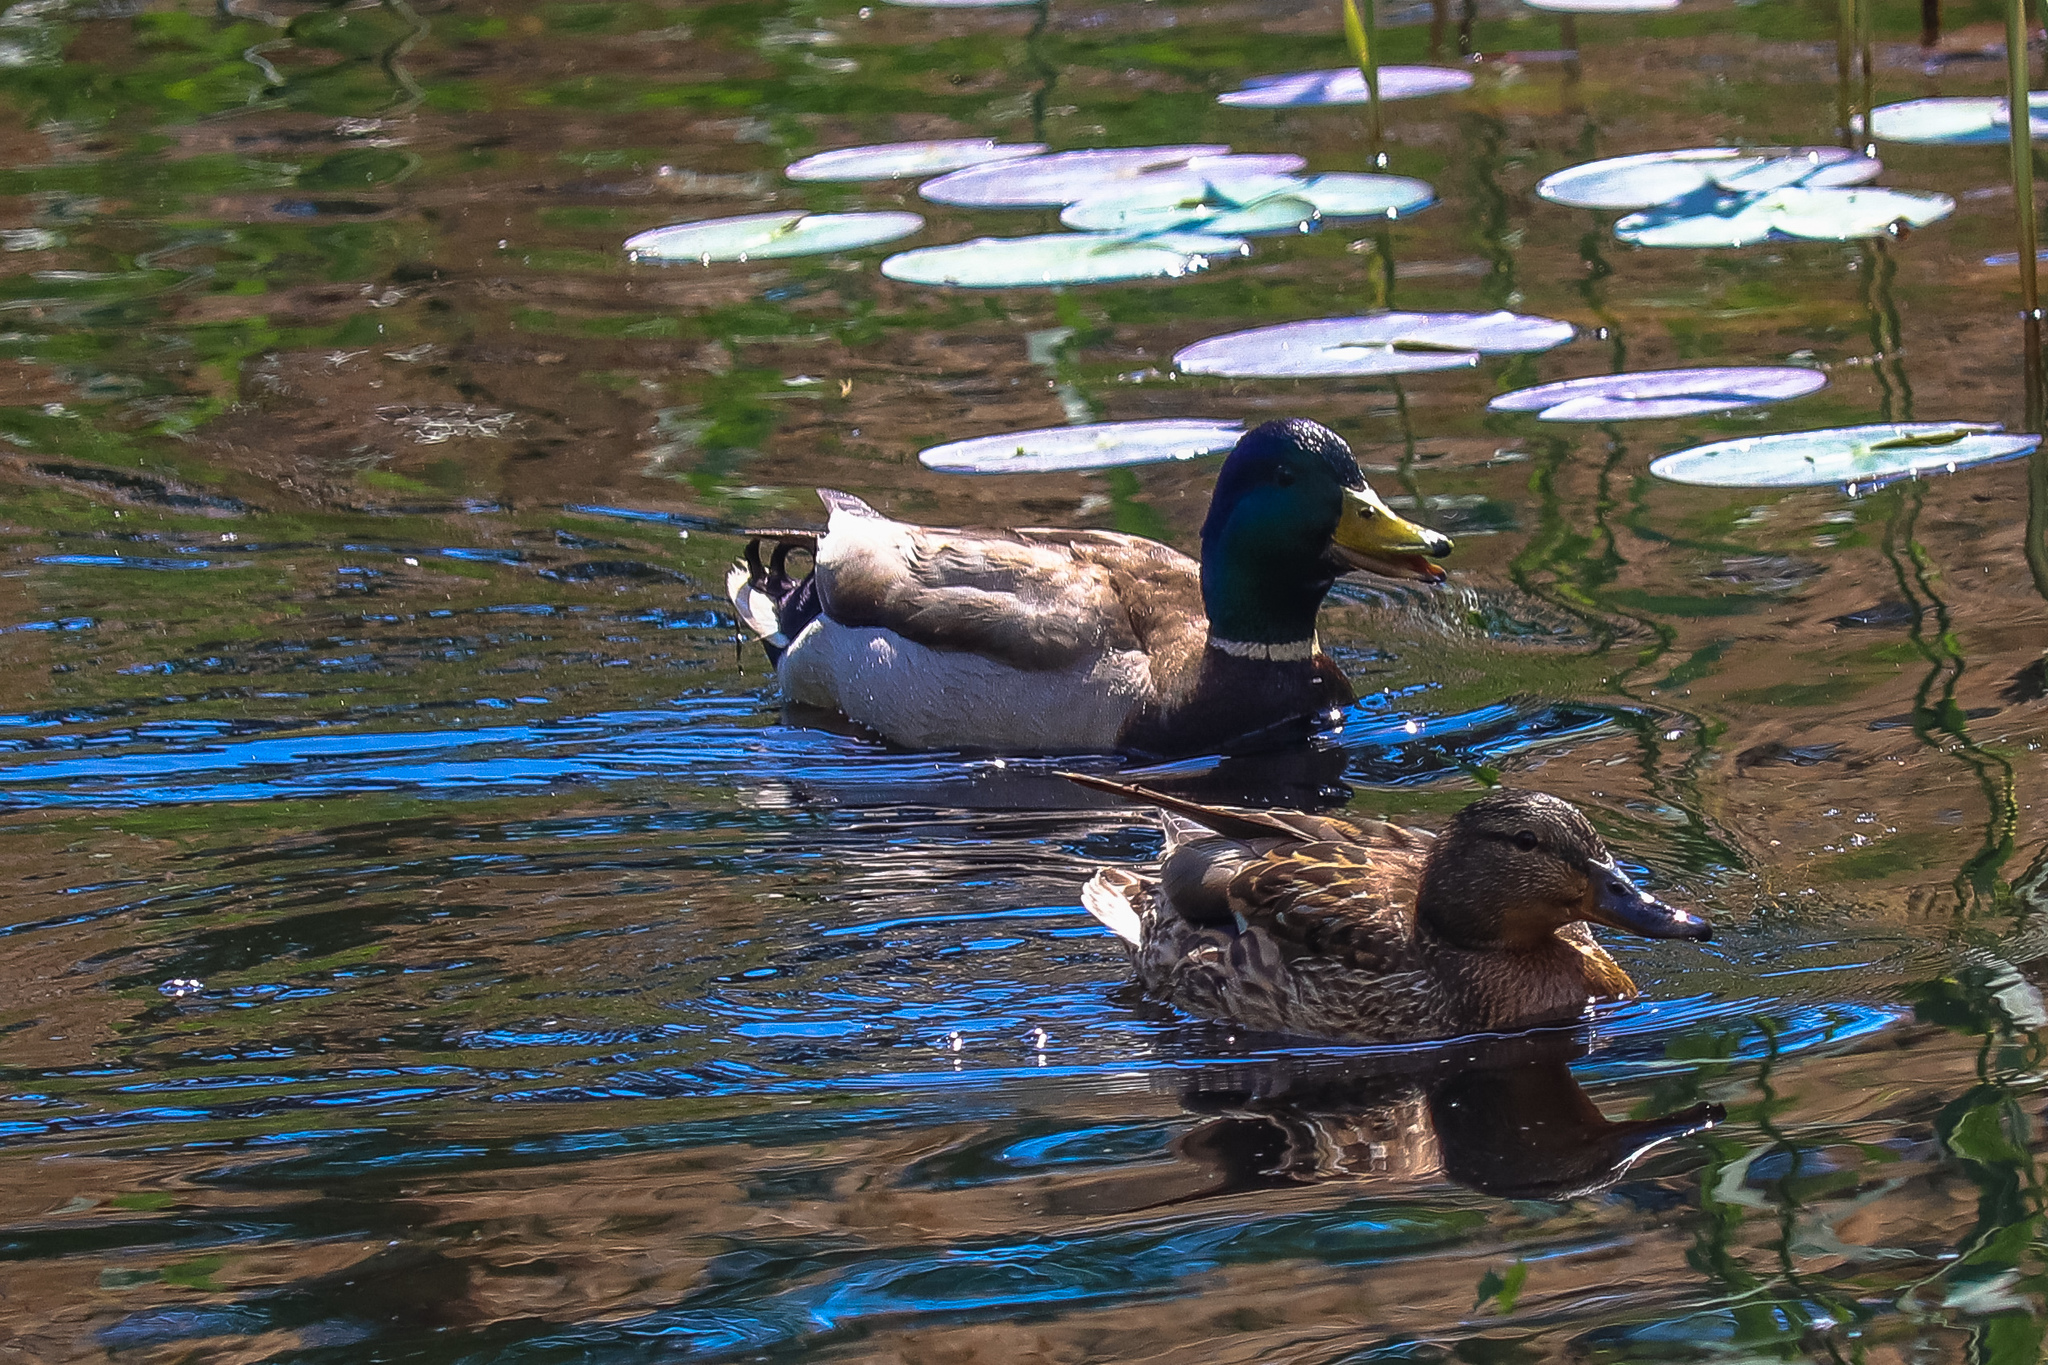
{"x":428,"y":940}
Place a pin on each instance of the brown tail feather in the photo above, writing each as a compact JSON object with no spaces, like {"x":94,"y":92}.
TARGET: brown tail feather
{"x":1232,"y":824}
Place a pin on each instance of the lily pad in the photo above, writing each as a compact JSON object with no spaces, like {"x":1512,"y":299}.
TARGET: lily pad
{"x":1602,"y":6}
{"x":1068,"y":177}
{"x":1212,"y":203}
{"x":1858,"y":458}
{"x":964,"y":4}
{"x":1149,"y":201}
{"x":901,"y":160}
{"x":1350,"y":194}
{"x":1377,"y":343}
{"x":1280,"y":213}
{"x":1649,"y":178}
{"x":1958,"y":121}
{"x":1090,"y":447}
{"x":1660,"y":393}
{"x":1343,"y":85}
{"x":1824,"y":215}
{"x":1059,"y":258}
{"x":762,"y":236}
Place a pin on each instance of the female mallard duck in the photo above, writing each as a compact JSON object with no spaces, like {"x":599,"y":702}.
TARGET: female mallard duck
{"x":1065,"y":641}
{"x":1368,"y":932}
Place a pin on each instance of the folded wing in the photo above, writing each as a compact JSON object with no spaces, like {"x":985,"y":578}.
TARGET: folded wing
{"x":1031,"y":599}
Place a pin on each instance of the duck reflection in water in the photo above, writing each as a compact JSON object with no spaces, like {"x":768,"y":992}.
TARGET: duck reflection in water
{"x":1501,"y":1115}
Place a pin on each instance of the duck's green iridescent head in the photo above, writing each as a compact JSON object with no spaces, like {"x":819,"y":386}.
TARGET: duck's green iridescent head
{"x":1291,"y":513}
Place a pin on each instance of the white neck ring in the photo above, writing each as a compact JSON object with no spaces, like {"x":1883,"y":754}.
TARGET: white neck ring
{"x":1286,"y":651}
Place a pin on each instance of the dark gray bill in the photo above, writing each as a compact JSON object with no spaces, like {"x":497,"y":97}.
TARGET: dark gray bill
{"x":1620,"y":904}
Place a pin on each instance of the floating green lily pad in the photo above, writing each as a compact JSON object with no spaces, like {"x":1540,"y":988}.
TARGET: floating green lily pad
{"x":763,"y":236}
{"x":1279,"y":213}
{"x":1602,"y":6}
{"x":1343,"y":85}
{"x":1857,"y":458}
{"x":1350,"y":194}
{"x":902,"y":160}
{"x":1100,"y":446}
{"x":1377,"y":343}
{"x":1815,"y":215}
{"x":1649,"y":178}
{"x":1250,"y":203}
{"x":1069,"y":177}
{"x":1959,"y":121}
{"x":1060,"y":258}
{"x":1661,"y":393}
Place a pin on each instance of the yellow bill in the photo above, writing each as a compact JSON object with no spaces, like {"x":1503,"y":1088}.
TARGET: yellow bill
{"x":1371,"y":537}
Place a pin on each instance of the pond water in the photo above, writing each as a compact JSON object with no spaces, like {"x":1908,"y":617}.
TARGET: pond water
{"x":424,"y":937}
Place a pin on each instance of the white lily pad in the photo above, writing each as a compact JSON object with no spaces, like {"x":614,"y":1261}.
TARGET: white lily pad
{"x":1648,"y":178}
{"x":1351,"y":194}
{"x":1068,"y":177}
{"x":1279,"y":213}
{"x":761,"y":236}
{"x":1661,"y":393}
{"x":1377,"y":343}
{"x":901,"y":160}
{"x":1152,"y":203}
{"x":1146,"y":202}
{"x":1602,"y":6}
{"x":1858,"y":458}
{"x":1798,"y":213}
{"x":1344,"y":85}
{"x":1957,"y":121}
{"x":1090,"y":447}
{"x":1059,"y":258}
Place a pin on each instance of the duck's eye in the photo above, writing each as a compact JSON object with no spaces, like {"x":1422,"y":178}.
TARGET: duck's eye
{"x":1526,"y":841}
{"x":1284,"y":477}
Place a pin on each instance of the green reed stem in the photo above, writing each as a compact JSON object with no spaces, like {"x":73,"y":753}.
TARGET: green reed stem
{"x":2037,"y":518}
{"x":2020,"y":121}
{"x":1845,"y":26}
{"x":1359,"y":35}
{"x":1866,"y":43}
{"x":1042,"y":67}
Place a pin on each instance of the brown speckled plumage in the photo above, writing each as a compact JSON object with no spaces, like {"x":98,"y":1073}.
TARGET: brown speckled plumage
{"x":1373,"y":933}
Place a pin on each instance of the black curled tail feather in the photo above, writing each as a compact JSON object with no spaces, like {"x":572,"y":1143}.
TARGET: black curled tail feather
{"x":793,"y":601}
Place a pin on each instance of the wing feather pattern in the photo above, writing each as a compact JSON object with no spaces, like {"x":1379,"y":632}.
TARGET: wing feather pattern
{"x":1031,"y":599}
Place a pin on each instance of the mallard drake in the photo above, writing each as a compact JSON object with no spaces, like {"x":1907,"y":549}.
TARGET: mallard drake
{"x":1368,"y":932}
{"x":1053,"y":641}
